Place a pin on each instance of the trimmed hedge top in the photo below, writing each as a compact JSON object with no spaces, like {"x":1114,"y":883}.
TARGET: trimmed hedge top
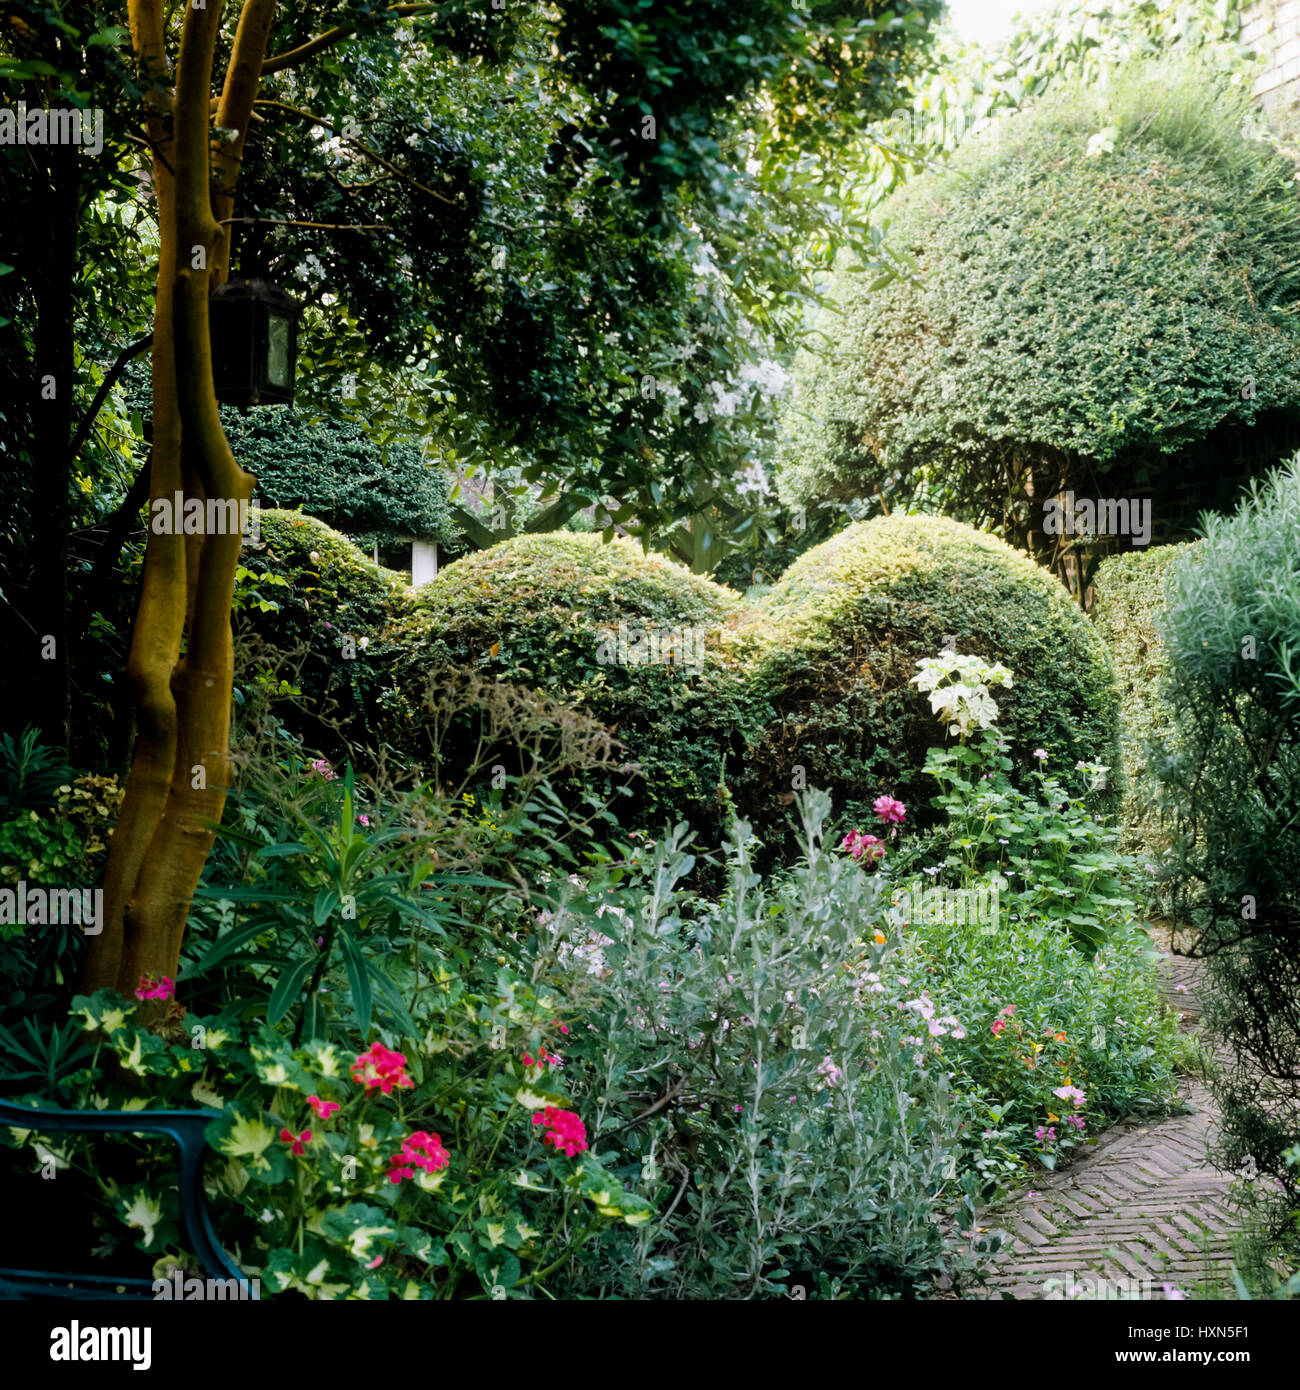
{"x":841,"y":634}
{"x":1109,"y":275}
{"x":566,"y":576}
{"x":575,"y":616}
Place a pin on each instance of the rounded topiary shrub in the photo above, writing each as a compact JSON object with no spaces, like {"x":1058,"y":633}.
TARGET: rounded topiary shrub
{"x":841,"y":636}
{"x":1097,"y":294}
{"x":632,"y":639}
{"x":309,"y":610}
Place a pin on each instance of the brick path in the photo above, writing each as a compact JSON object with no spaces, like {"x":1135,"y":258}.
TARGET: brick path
{"x":1143,"y":1208}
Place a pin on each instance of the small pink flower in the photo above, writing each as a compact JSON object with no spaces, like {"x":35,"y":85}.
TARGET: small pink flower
{"x":297,"y":1142}
{"x":364,"y":820}
{"x":891,"y":812}
{"x":322,"y":768}
{"x":997,"y":1026}
{"x":153,"y":988}
{"x":323,"y":1108}
{"x":1041,"y":754}
{"x":564,"y":1130}
{"x":1070,"y":1093}
{"x":381,"y":1069}
{"x":860,"y":846}
{"x":375,"y":1263}
{"x":830,"y":1071}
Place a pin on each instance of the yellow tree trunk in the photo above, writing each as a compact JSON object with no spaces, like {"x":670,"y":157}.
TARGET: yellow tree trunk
{"x":180,"y":770}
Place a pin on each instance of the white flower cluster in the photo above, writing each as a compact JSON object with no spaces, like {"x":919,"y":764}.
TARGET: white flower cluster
{"x":754,"y":480}
{"x":966,"y":703}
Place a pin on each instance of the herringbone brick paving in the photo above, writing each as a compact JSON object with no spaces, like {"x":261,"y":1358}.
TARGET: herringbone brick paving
{"x":1145,"y":1208}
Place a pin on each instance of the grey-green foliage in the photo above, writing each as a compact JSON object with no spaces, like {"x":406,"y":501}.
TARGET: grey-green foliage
{"x":1095,"y":285}
{"x":341,"y":475}
{"x":1230,"y":792}
{"x":758,"y":1159}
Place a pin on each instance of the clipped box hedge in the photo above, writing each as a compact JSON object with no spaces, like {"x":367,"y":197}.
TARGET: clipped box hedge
{"x":840,"y":636}
{"x":334,"y":597}
{"x":591,"y":623}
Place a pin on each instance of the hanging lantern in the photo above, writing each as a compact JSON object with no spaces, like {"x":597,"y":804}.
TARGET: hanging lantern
{"x":254,"y":331}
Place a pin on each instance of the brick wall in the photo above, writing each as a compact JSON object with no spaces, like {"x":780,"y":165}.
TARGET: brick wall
{"x":1273,"y":28}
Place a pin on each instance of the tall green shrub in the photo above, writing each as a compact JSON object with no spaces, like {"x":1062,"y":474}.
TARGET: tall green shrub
{"x":339,"y":474}
{"x":574,"y":617}
{"x":1230,"y":796}
{"x":309,"y":610}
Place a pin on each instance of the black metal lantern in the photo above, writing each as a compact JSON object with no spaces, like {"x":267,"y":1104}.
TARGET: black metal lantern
{"x":254,"y":343}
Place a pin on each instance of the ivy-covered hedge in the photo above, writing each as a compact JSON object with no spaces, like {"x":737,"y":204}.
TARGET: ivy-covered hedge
{"x":310,"y":608}
{"x":572,"y":616}
{"x":841,"y":634}
{"x":1129,"y":608}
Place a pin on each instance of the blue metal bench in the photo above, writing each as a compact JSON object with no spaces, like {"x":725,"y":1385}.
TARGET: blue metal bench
{"x":187,"y":1128}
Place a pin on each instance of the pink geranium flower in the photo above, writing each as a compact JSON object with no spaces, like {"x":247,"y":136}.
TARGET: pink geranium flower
{"x":322,"y":1108}
{"x":564,"y":1130}
{"x":419,"y":1150}
{"x":891,"y":812}
{"x":151,"y":987}
{"x":860,"y":846}
{"x":297,"y":1142}
{"x":381,"y":1069}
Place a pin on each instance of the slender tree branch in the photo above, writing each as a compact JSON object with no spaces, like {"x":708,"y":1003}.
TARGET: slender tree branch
{"x":234,"y":112}
{"x":379,"y":159}
{"x":127,"y":354}
{"x":292,"y":57}
{"x":320,"y":226}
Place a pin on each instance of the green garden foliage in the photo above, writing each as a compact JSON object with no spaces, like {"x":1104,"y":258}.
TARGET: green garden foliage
{"x":589,"y":623}
{"x":1128,"y":611}
{"x":310,"y":607}
{"x":841,"y":635}
{"x":339,"y":474}
{"x":1095,"y":294}
{"x":1230,"y":794}
{"x":809,"y":1131}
